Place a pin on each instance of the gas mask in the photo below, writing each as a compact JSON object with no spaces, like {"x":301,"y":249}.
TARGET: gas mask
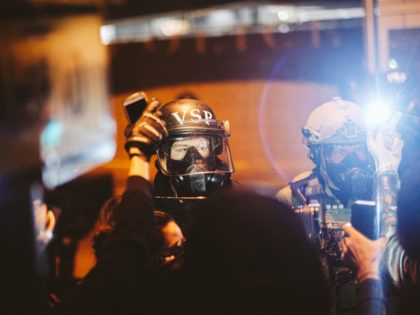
{"x":350,"y":176}
{"x":192,"y":163}
{"x":194,"y":166}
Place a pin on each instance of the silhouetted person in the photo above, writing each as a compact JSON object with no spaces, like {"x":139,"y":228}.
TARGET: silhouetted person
{"x":402,"y":254}
{"x":408,"y":230}
{"x":247,"y":254}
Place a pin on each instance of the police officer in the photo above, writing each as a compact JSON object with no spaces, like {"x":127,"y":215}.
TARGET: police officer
{"x":193,"y":155}
{"x":336,"y":140}
{"x":351,"y":163}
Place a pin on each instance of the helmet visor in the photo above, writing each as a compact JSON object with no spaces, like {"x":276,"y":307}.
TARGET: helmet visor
{"x":194,"y":154}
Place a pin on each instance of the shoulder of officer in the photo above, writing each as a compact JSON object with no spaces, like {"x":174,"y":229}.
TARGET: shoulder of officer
{"x":300,"y":187}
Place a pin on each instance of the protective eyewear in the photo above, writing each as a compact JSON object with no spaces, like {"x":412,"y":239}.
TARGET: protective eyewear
{"x":336,"y":153}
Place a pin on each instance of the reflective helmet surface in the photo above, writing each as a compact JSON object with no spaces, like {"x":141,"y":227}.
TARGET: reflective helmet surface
{"x":335,"y":122}
{"x":185,"y":115}
{"x":195,"y":151}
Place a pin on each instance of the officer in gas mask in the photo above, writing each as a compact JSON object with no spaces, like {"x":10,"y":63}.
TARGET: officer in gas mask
{"x":193,"y":156}
{"x":351,"y":163}
{"x":335,"y":136}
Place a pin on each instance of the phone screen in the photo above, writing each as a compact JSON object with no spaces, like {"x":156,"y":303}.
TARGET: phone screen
{"x":134,"y":106}
{"x":364,"y":218}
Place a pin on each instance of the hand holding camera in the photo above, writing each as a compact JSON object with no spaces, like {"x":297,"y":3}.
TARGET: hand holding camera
{"x":362,"y":253}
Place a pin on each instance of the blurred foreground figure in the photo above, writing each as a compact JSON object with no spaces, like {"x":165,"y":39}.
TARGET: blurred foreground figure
{"x":408,"y":231}
{"x":351,"y":163}
{"x":124,"y":251}
{"x":55,"y":124}
{"x":247,"y":254}
{"x":404,"y":260}
{"x":168,"y":238}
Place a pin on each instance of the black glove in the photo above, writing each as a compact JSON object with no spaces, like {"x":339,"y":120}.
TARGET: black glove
{"x":142,"y":136}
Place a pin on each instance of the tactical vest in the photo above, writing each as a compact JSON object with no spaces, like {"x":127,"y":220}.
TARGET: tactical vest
{"x":309,"y":192}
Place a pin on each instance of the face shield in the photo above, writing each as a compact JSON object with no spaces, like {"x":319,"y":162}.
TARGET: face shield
{"x":193,"y":157}
{"x":195,"y":153}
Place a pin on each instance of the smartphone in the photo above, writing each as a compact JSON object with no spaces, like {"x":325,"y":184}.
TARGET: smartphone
{"x":134,"y":105}
{"x":364,"y":218}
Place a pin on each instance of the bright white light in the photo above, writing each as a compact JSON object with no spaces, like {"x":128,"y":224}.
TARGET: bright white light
{"x":284,"y":28}
{"x":393,"y":64}
{"x":320,"y":14}
{"x":396,"y":77}
{"x":378,"y":113}
{"x":107,"y":34}
{"x":221,"y":19}
{"x":283,"y":15}
{"x":174,"y":27}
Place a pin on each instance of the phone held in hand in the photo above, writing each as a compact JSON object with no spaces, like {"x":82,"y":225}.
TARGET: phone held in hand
{"x":365,"y":219}
{"x":134,"y":106}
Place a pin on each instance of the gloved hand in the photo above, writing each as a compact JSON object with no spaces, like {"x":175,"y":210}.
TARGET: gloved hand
{"x":385,"y":145}
{"x":148,"y":129}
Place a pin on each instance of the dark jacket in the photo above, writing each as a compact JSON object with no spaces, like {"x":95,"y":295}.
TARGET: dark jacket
{"x":122,"y":256}
{"x":370,"y":298}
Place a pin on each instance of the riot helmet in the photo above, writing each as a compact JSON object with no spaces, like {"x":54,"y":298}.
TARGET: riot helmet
{"x":335,"y":135}
{"x":194,"y":155}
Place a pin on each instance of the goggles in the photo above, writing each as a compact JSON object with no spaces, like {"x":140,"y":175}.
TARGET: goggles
{"x":336,"y":153}
{"x":195,"y":153}
{"x":180,"y":148}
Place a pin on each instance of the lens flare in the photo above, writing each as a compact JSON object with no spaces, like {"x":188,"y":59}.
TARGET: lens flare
{"x":378,"y":113}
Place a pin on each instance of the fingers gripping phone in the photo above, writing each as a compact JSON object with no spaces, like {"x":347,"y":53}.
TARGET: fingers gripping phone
{"x":134,"y":106}
{"x":365,"y":219}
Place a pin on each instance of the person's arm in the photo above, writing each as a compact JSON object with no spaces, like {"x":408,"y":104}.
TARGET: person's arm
{"x":140,"y":142}
{"x":121,"y":256}
{"x":365,"y":255}
{"x":139,"y":164}
{"x":385,"y":145}
{"x":122,"y":253}
{"x":370,"y":298}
